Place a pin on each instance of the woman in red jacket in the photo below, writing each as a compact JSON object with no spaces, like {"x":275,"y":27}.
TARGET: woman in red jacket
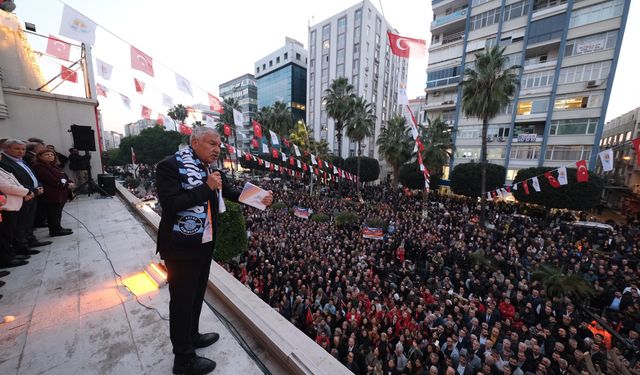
{"x":56,"y":186}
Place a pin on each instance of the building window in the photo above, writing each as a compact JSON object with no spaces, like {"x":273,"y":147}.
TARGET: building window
{"x":485,"y":19}
{"x":286,"y":55}
{"x":537,"y":79}
{"x":258,"y":69}
{"x":587,"y":72}
{"x":591,"y":44}
{"x":515,"y":10}
{"x":270,"y":63}
{"x":342,"y":24}
{"x":278,"y":60}
{"x":467,"y":153}
{"x":596,"y":13}
{"x":524,"y":152}
{"x":546,"y":29}
{"x":443,"y":77}
{"x":298,"y":56}
{"x":532,"y":106}
{"x":568,"y":102}
{"x":264,"y":66}
{"x":583,"y":126}
{"x":556,"y":152}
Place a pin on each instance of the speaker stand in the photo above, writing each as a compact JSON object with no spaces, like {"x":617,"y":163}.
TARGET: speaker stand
{"x":91,"y":185}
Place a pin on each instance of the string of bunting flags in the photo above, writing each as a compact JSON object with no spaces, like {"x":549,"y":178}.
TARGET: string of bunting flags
{"x":558,"y":177}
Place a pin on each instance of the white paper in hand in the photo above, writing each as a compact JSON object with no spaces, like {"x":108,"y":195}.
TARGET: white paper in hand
{"x":221,"y":207}
{"x":252,"y":196}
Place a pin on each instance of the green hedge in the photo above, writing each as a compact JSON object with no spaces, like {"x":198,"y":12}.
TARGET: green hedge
{"x":320,"y":218}
{"x":278,"y":206}
{"x":232,"y":233}
{"x":346,"y":218}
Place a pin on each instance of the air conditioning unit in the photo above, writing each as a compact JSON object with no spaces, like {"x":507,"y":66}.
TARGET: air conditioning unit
{"x":592,"y":84}
{"x":501,"y":139}
{"x":436,"y":93}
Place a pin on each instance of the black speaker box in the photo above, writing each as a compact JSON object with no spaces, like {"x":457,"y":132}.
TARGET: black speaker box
{"x":83,"y":138}
{"x":107,"y":183}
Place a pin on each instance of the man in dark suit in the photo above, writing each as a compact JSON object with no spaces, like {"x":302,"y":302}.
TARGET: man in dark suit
{"x":189,"y":193}
{"x":13,"y":151}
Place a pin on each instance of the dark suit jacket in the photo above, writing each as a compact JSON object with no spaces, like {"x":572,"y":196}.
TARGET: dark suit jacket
{"x":173,"y":199}
{"x":18,"y":172}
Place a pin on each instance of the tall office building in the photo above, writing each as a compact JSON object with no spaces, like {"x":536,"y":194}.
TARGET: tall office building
{"x":353,"y":44}
{"x":245,"y":91}
{"x":568,"y":50}
{"x":282,"y":76}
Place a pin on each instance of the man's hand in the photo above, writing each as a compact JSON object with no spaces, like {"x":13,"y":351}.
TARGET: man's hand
{"x":39,"y":190}
{"x":268,"y":199}
{"x":29,"y":196}
{"x":214,"y":181}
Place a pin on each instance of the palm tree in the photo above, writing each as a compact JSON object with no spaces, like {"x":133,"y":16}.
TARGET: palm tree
{"x":485,"y":91}
{"x":281,"y":120}
{"x":338,"y":101}
{"x":319,"y":148}
{"x":395,"y":145}
{"x":178,"y":113}
{"x":264,"y":116}
{"x":438,"y":145}
{"x":559,"y":284}
{"x":359,"y":125}
{"x":299,"y":135}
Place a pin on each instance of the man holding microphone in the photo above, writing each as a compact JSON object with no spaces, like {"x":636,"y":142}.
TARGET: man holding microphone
{"x":190,"y":194}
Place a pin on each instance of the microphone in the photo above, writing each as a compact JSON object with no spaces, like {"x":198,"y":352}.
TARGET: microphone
{"x":221,"y":206}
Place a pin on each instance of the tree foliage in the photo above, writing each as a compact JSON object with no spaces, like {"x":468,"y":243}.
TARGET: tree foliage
{"x":575,"y":195}
{"x":557,"y":283}
{"x":178,"y":113}
{"x":232,"y":233}
{"x":320,"y":218}
{"x":412,"y":177}
{"x":338,"y":100}
{"x":346,"y":218}
{"x":395,"y":145}
{"x":369,"y":167}
{"x":466,"y":179}
{"x":438,"y":146}
{"x":151,"y":145}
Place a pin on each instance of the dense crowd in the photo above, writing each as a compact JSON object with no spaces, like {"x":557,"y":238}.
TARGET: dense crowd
{"x":440,"y":294}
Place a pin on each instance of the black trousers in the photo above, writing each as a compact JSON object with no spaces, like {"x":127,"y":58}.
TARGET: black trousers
{"x":53,"y":213}
{"x":7,"y":229}
{"x":24,"y":227}
{"x":187,"y":284}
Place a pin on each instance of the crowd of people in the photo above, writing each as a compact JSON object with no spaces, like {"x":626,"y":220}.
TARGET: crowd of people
{"x":440,"y":294}
{"x":33,"y":191}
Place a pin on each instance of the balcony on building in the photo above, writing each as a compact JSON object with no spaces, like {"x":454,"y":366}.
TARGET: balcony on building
{"x":451,"y":20}
{"x":528,"y":132}
{"x":545,"y":8}
{"x":450,"y":37}
{"x":437,"y":5}
{"x":541,"y":57}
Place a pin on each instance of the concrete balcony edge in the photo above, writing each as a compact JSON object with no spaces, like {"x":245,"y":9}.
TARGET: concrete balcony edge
{"x":282,"y":339}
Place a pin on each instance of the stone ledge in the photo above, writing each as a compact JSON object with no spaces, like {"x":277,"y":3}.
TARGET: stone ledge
{"x":284,"y":341}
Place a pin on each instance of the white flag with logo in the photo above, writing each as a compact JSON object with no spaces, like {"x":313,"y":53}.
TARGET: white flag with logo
{"x":184,"y":85}
{"x":313,"y":160}
{"x":126,"y":101}
{"x":238,"y":119}
{"x":274,"y":138}
{"x":403,"y":98}
{"x":295,"y":148}
{"x":284,"y":156}
{"x":77,"y":26}
{"x":535,"y":183}
{"x":606,"y":158}
{"x":562,"y":176}
{"x":335,"y":170}
{"x":265,"y":148}
{"x":167,"y":101}
{"x":104,"y":69}
{"x":298,"y":162}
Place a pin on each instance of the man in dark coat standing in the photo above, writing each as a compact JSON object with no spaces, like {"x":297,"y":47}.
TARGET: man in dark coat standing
{"x":190,"y":191}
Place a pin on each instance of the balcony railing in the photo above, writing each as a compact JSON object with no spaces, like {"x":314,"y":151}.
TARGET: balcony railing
{"x":443,"y":82}
{"x":453,"y":37}
{"x":457,"y":15}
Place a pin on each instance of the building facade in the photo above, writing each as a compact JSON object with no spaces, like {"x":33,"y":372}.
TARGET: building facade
{"x":353,"y":44}
{"x":568,"y":51}
{"x":419,"y":109}
{"x":134,"y":128}
{"x":622,"y":187}
{"x":282,"y":76}
{"x":110,"y":139}
{"x":244,"y":90}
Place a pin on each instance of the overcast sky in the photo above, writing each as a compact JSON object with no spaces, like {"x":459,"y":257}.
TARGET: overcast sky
{"x":211,"y":42}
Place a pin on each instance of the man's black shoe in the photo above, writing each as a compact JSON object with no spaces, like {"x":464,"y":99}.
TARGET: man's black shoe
{"x":194,"y":366}
{"x":27,"y":252}
{"x":60,"y":233}
{"x":14,"y":263}
{"x":39,"y":243}
{"x":22,"y":257}
{"x":204,"y":340}
{"x":4,"y":273}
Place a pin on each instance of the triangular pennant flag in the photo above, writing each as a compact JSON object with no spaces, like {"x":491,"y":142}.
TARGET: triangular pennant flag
{"x":184,"y":85}
{"x":274,"y":153}
{"x":313,"y":160}
{"x":298,"y":163}
{"x":335,"y":170}
{"x":104,"y":69}
{"x":582,"y":174}
{"x":126,"y":101}
{"x":515,"y":187}
{"x":68,"y":74}
{"x":606,"y":158}
{"x":525,"y":185}
{"x":535,"y":183}
{"x":284,"y":156}
{"x":552,"y":180}
{"x":265,"y":148}
{"x":160,"y":119}
{"x":141,"y":61}
{"x":291,"y":160}
{"x":274,"y":138}
{"x":226,"y":129}
{"x":58,"y":48}
{"x":562,"y":176}
{"x":167,"y":101}
{"x":488,"y":195}
{"x":254,"y":143}
{"x":139,"y":86}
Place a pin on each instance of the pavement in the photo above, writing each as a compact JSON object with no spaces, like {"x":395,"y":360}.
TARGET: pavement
{"x":73,"y":316}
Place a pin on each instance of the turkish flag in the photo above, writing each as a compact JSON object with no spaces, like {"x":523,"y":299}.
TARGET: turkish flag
{"x":101,"y":90}
{"x":286,"y":142}
{"x":291,"y":161}
{"x":141,"y":61}
{"x":274,"y":153}
{"x":139,"y":86}
{"x":636,"y":146}
{"x":257,"y":128}
{"x":68,"y":74}
{"x":231,"y":149}
{"x":259,"y":161}
{"x":407,"y":47}
{"x":226,"y":130}
{"x":582,"y":174}
{"x":247,"y":156}
{"x":525,"y":185}
{"x":184,"y":129}
{"x":58,"y":48}
{"x":552,"y":180}
{"x":271,"y":167}
{"x":146,"y":112}
{"x":215,"y":104}
{"x":304,"y":167}
{"x":319,"y":163}
{"x":254,"y":143}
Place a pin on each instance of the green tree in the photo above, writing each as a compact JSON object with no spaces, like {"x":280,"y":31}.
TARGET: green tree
{"x":412,"y":177}
{"x":264,"y":115}
{"x":487,"y":89}
{"x":575,"y":195}
{"x":466,"y":179}
{"x":113,"y":157}
{"x":151,"y":146}
{"x":178,"y":113}
{"x":438,"y":147}
{"x":369,"y":167}
{"x":557,"y":283}
{"x":338,"y":99}
{"x":299,"y":135}
{"x":231,"y":238}
{"x":359,"y":126}
{"x":347,"y":218}
{"x":395,"y":145}
{"x":281,"y":120}
{"x":319,"y":148}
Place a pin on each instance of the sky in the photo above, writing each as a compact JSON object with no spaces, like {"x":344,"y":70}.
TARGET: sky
{"x":211,"y":42}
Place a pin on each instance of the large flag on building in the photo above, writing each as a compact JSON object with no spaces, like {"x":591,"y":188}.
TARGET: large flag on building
{"x":58,"y":48}
{"x":373,"y":233}
{"x":141,"y":61}
{"x":77,"y":27}
{"x":407,"y":47}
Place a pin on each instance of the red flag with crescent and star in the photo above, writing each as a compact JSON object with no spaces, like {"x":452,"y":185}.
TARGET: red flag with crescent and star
{"x":58,"y":48}
{"x":636,"y":146}
{"x":257,"y":129}
{"x":141,"y":61}
{"x":552,"y":180}
{"x":215,"y":104}
{"x":226,"y":130}
{"x":68,"y":74}
{"x":139,"y":86}
{"x":525,"y":185}
{"x":582,"y":174}
{"x":407,"y":47}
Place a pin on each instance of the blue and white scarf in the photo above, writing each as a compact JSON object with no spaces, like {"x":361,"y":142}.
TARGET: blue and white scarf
{"x":189,"y":225}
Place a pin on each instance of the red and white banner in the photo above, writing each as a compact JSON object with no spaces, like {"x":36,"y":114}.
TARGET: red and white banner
{"x":146,"y":112}
{"x":373,"y":233}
